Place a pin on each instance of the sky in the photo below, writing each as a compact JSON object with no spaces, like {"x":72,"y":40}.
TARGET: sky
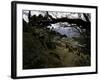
{"x":53,"y":14}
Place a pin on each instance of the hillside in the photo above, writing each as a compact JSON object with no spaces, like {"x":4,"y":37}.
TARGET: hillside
{"x":46,"y":48}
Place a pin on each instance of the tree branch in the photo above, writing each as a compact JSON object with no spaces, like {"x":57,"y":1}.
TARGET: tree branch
{"x":78,"y":22}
